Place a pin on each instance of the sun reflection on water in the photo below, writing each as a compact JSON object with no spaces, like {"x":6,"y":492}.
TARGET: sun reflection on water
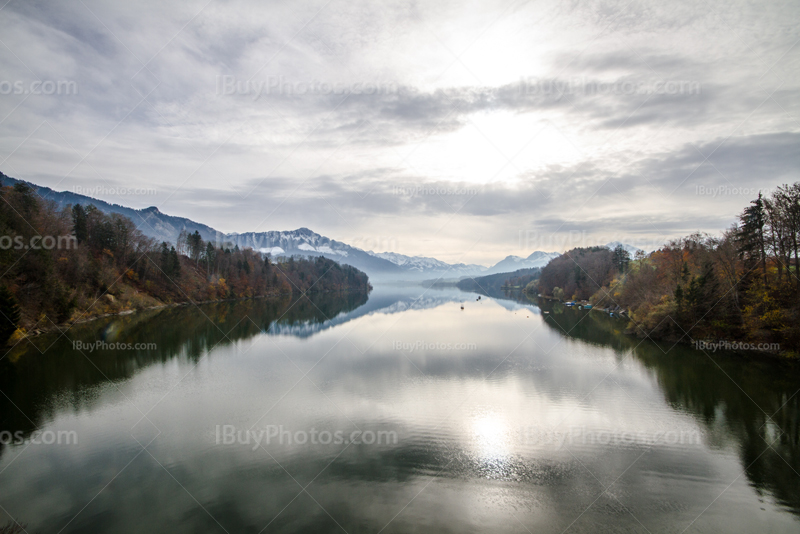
{"x":492,"y":438}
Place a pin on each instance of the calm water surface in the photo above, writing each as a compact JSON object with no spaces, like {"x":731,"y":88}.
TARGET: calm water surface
{"x":400,"y":412}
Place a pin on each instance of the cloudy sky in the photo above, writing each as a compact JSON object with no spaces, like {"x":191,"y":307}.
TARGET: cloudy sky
{"x":461,"y":130}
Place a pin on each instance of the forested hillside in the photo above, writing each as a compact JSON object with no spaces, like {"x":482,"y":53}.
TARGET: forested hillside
{"x":581,"y":272}
{"x":59,"y":265}
{"x":496,"y":282}
{"x":742,"y":285}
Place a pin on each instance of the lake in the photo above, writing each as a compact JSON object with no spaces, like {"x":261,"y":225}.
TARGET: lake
{"x":394,"y":412}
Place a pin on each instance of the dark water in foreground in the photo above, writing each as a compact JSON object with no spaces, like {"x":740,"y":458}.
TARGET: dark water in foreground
{"x":397,"y":413}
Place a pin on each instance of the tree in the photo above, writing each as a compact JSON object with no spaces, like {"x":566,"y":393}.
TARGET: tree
{"x":166,"y":268}
{"x":79,"y":223}
{"x":788,"y":197}
{"x":181,"y":243}
{"x":752,"y":244}
{"x":9,"y":314}
{"x":170,"y":262}
{"x":701,"y":295}
{"x":196,"y":246}
{"x":726,"y":259}
{"x":211,"y":255}
{"x":116,"y":258}
{"x":174,"y":263}
{"x":579,"y":272}
{"x":27,"y":199}
{"x":621,"y":258}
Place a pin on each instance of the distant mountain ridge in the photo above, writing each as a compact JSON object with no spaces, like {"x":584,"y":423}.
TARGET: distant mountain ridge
{"x":150,"y":221}
{"x":514,"y":263}
{"x":380,"y":266}
{"x":304,"y":242}
{"x":162,"y":227}
{"x":430,"y":266}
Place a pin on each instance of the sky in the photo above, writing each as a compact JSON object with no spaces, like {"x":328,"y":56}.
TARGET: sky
{"x":465,"y":131}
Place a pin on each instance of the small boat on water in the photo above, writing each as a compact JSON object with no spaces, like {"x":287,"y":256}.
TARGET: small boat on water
{"x":570,"y":303}
{"x":587,"y":306}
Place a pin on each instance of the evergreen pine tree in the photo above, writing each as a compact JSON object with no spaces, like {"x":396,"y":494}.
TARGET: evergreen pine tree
{"x":166,"y":269}
{"x":751,"y":241}
{"x":174,"y":263}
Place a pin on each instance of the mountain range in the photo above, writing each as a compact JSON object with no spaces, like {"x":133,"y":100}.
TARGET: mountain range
{"x":380,"y":266}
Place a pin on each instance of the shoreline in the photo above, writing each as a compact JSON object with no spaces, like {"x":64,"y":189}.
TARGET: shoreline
{"x":63,"y":327}
{"x":633,"y":331}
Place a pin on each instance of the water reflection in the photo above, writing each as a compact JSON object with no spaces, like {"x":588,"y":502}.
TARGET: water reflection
{"x":46,"y":371}
{"x":506,"y":419}
{"x":750,"y":399}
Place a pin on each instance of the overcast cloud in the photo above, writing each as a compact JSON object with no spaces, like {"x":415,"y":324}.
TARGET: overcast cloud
{"x":461,"y":131}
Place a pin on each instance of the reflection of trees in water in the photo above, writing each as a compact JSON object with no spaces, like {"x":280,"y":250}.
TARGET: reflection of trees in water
{"x":499,"y":293}
{"x":726,"y":391}
{"x":41,"y":383}
{"x":44,"y":371}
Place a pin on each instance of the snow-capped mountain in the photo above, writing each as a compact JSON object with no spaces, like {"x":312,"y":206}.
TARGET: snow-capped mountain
{"x":513,"y":263}
{"x":278,"y":243}
{"x":303,"y":242}
{"x":413,"y":263}
{"x":430,"y":267}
